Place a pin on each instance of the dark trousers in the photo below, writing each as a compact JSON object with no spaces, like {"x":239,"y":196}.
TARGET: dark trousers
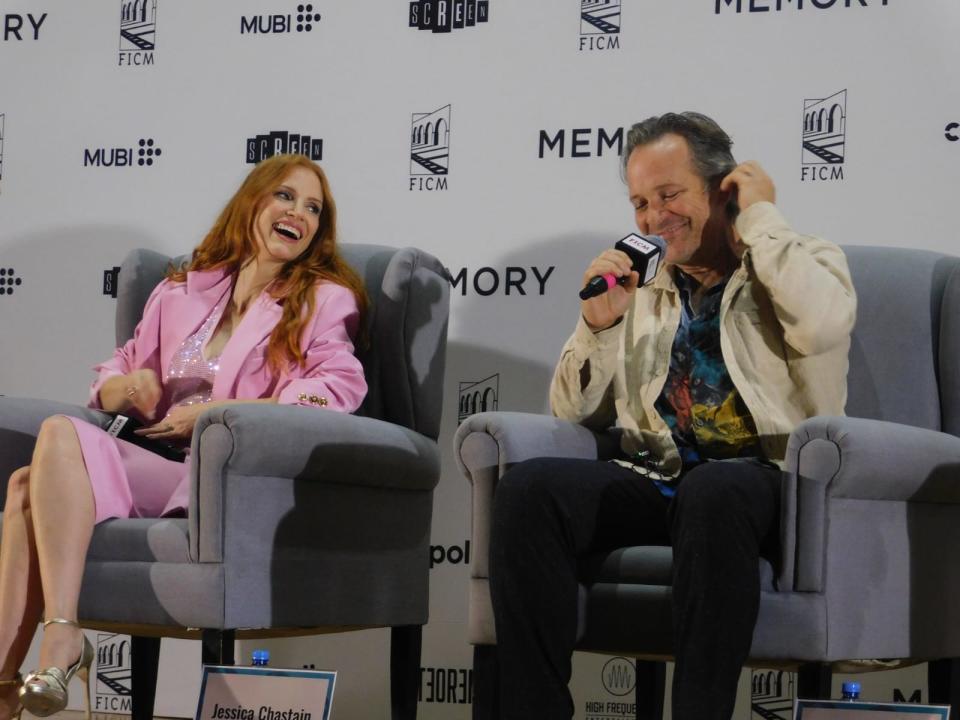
{"x":550,"y":513}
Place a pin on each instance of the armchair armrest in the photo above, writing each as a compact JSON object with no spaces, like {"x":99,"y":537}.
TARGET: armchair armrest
{"x":299,"y":444}
{"x":487,"y":444}
{"x":832,"y":459}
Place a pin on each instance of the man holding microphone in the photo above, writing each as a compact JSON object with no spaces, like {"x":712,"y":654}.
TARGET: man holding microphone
{"x":742,"y":334}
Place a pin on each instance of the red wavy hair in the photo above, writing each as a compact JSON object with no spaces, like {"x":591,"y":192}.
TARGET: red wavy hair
{"x":231,"y":244}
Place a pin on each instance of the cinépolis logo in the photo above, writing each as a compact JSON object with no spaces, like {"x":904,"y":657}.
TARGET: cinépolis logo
{"x":599,"y":25}
{"x":113,"y":674}
{"x":430,"y":150}
{"x":442,"y":16}
{"x":143,"y":154}
{"x":824,"y":137}
{"x":22,"y":27}
{"x":771,"y":694}
{"x":138,"y":32}
{"x":763,"y":6}
{"x":477,"y":396}
{"x":301,"y":21}
{"x":280,"y":142}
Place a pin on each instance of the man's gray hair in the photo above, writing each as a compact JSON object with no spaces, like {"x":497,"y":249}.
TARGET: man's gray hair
{"x":709,"y":144}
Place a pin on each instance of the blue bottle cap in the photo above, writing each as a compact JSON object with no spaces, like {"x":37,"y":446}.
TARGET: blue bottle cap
{"x":260,"y":657}
{"x":850,"y":687}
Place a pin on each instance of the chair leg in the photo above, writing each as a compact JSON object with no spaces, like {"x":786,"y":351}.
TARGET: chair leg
{"x":943,"y":682}
{"x":814,"y":681}
{"x":144,"y":661}
{"x":406,"y":642}
{"x":486,"y":683}
{"x":217,"y":647}
{"x":651,"y":678}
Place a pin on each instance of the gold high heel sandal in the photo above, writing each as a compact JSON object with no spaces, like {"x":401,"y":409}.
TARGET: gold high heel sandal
{"x":44,"y":692}
{"x":16,"y":681}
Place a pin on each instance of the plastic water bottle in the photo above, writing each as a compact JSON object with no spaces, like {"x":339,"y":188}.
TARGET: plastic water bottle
{"x":850,"y":690}
{"x":260,"y":658}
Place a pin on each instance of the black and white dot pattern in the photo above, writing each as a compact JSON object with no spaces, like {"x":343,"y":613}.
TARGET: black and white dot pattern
{"x":8,"y":281}
{"x":147,"y":152}
{"x":306,"y":17}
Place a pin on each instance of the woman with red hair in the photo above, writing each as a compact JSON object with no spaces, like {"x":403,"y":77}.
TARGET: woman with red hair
{"x":266,"y":311}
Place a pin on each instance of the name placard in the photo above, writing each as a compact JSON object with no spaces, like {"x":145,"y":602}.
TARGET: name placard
{"x":860,"y":710}
{"x":261,"y":693}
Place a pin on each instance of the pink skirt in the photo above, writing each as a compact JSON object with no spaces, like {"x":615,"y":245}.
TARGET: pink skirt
{"x":128,"y":481}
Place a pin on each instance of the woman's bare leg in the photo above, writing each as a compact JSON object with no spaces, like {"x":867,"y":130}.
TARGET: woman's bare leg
{"x":21,"y":601}
{"x":62,"y":508}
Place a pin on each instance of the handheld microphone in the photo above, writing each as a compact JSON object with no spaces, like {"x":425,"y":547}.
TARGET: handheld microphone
{"x":646,"y":253}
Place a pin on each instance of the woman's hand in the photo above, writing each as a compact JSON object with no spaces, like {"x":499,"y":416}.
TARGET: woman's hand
{"x":139,"y":389}
{"x":177,"y":424}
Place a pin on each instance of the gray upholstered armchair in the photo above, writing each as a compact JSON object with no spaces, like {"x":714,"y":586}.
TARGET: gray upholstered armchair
{"x":871,"y":513}
{"x":299,"y":519}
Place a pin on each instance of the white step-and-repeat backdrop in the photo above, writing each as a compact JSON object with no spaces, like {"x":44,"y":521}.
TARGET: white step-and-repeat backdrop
{"x":486,"y":132}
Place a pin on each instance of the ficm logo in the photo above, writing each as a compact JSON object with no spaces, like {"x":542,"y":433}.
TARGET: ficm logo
{"x":113,"y":673}
{"x":138,"y":32}
{"x":771,"y":694}
{"x":430,"y":149}
{"x":478,"y":396}
{"x":305,"y":16}
{"x":824,"y":137}
{"x":599,"y":24}
{"x":619,"y":676}
{"x":951,"y":132}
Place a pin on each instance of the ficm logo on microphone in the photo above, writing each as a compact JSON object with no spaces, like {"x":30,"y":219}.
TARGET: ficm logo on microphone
{"x":138,"y":32}
{"x":430,"y":150}
{"x":599,"y":25}
{"x":824,"y":137}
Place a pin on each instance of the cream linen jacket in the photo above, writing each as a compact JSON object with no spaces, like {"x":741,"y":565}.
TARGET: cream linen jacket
{"x":785,"y":321}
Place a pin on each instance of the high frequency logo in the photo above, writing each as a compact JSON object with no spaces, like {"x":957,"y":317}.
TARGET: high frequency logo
{"x":619,"y":678}
{"x":302,"y":21}
{"x":599,"y":24}
{"x":146,"y":152}
{"x":442,"y":16}
{"x":430,"y":150}
{"x":478,"y":396}
{"x":824,"y":137}
{"x":138,"y":32}
{"x":280,"y":142}
{"x":113,"y":690}
{"x":762,"y":6}
{"x":15,"y":28}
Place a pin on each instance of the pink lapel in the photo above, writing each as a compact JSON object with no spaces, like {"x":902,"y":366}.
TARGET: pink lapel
{"x":254,"y":329}
{"x":185,"y":308}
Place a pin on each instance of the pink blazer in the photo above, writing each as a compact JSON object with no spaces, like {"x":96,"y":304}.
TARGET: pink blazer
{"x":332,"y":377}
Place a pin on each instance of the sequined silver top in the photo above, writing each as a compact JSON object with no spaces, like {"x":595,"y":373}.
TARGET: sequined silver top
{"x":190,"y":377}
